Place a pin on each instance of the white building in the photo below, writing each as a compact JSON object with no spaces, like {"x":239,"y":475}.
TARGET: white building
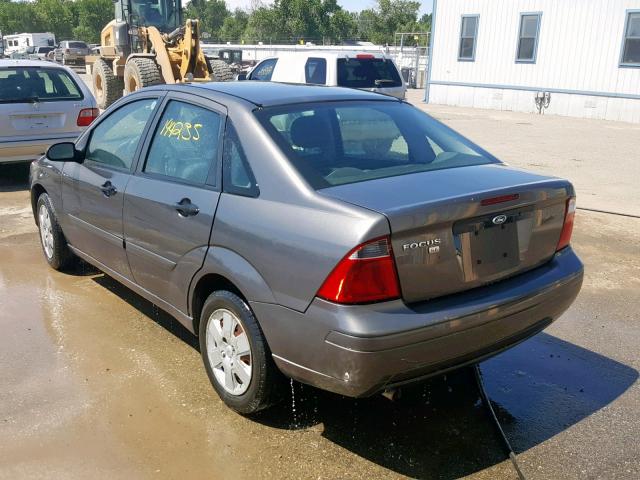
{"x":501,"y":54}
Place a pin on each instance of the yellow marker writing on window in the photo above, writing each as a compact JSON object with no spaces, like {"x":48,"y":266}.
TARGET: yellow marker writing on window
{"x":181,"y":131}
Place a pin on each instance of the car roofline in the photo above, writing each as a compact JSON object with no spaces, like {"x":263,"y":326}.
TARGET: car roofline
{"x":357,"y":95}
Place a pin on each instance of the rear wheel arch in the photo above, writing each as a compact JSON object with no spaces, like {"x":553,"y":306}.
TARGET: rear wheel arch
{"x":205,"y":286}
{"x":36,"y":191}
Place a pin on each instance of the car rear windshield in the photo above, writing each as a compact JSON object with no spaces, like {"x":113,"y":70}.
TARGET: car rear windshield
{"x":367,"y":73}
{"x":347,"y":142}
{"x":34,"y":84}
{"x":77,"y":45}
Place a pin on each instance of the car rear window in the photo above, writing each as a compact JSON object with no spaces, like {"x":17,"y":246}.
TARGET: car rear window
{"x":77,"y":45}
{"x":34,"y":84}
{"x":347,"y":142}
{"x":367,"y":73}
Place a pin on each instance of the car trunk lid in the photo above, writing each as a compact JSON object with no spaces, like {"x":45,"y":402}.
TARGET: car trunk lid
{"x":19,"y":120}
{"x":459,"y":228}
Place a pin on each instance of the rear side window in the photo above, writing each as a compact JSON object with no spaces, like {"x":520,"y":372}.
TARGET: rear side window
{"x":185,"y":144}
{"x":264,"y":70}
{"x":368,"y":73}
{"x":237,"y":175}
{"x":315,"y":71}
{"x":114,"y":141}
{"x":340,"y":143}
{"x":33,"y":84}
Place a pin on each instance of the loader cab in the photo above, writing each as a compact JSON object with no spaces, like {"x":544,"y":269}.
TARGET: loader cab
{"x":165,"y":15}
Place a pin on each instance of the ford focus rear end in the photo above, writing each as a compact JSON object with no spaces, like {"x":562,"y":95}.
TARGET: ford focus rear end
{"x":475,"y":259}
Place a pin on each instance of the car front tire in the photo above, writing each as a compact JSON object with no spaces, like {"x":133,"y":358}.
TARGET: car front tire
{"x":54,"y":244}
{"x":236,"y":355}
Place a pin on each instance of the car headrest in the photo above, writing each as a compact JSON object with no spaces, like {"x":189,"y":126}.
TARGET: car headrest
{"x":309,"y":132}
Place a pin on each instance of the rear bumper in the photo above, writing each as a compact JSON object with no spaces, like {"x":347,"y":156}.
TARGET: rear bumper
{"x":359,"y":350}
{"x":30,"y":149}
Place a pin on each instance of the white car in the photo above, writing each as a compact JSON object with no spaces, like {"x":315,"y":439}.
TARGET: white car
{"x":40,"y":104}
{"x":366,"y":71}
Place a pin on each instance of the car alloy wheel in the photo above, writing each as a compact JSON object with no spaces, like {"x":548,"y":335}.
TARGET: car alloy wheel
{"x":46,"y":231}
{"x":229,"y":351}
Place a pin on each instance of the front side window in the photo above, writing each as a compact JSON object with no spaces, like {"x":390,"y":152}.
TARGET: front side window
{"x":468,"y":36}
{"x":264,"y":71}
{"x":528,"y":37}
{"x":29,"y":84}
{"x":114,"y":140}
{"x":631,"y":43}
{"x":340,"y":143}
{"x":315,"y":71}
{"x":185,"y":144}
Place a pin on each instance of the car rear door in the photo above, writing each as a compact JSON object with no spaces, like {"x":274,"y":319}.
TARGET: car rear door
{"x":93,"y":191}
{"x":171,"y":200}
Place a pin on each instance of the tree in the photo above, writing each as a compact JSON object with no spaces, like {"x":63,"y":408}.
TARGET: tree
{"x":93,"y":15}
{"x":389,"y":17}
{"x":211,"y":14}
{"x":57,"y":16}
{"x":18,"y":17}
{"x":264,"y":26}
{"x":234,"y":26}
{"x":295,"y":20}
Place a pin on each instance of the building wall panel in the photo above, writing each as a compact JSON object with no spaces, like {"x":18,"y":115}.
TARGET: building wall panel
{"x":579,"y":49}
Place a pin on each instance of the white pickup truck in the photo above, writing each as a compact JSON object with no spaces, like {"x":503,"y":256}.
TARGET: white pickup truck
{"x":366,"y":71}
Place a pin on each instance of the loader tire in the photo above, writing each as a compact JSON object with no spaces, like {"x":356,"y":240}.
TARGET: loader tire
{"x":140,"y":72}
{"x":219,"y":70}
{"x":106,"y":86}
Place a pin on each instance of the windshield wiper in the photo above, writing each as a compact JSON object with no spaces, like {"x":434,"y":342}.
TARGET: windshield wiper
{"x":33,"y":99}
{"x":381,"y":81}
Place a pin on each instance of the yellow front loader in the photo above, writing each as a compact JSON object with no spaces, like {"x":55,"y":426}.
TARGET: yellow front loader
{"x":147,"y":44}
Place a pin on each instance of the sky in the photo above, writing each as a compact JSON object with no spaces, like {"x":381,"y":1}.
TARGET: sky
{"x":352,"y":5}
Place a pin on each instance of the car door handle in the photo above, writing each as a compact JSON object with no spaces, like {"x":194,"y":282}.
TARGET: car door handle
{"x":185,"y":208}
{"x":108,"y":189}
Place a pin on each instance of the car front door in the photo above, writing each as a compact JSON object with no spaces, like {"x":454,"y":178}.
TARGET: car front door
{"x":93,"y":191}
{"x":171,"y":200}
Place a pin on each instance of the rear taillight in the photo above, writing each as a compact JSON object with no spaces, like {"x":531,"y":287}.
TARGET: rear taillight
{"x":366,"y":274}
{"x":66,"y":50}
{"x":567,"y":228}
{"x":86,"y":116}
{"x":365,"y":56}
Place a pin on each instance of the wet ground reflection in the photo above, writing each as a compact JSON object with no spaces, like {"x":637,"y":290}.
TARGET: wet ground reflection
{"x":439,"y":429}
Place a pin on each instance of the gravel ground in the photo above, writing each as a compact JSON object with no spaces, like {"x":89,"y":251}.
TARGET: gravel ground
{"x":98,"y":382}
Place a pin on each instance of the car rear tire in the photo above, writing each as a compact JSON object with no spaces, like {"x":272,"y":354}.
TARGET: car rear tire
{"x":106,"y":86}
{"x":141,"y":72}
{"x":236,"y":355}
{"x":219,"y":71}
{"x":54,"y":244}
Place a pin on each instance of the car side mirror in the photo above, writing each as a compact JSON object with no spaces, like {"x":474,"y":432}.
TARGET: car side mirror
{"x":63,"y":152}
{"x":241,"y":76}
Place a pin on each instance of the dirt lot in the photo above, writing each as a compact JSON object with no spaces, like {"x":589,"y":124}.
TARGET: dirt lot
{"x":97,"y":382}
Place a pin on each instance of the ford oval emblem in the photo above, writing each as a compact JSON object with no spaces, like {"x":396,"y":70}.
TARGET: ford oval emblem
{"x":499,"y":220}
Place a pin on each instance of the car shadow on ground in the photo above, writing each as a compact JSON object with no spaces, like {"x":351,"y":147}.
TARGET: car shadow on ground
{"x":14,"y":177}
{"x":439,"y":428}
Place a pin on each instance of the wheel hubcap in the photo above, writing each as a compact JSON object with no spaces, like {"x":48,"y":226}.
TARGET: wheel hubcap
{"x":229,"y":351}
{"x":46,"y":232}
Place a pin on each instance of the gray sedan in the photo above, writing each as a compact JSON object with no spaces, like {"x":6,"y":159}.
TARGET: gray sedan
{"x":334,"y":236}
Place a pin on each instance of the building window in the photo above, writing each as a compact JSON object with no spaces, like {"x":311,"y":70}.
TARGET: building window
{"x":468,"y":36}
{"x":528,"y":37}
{"x":631,"y":40}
